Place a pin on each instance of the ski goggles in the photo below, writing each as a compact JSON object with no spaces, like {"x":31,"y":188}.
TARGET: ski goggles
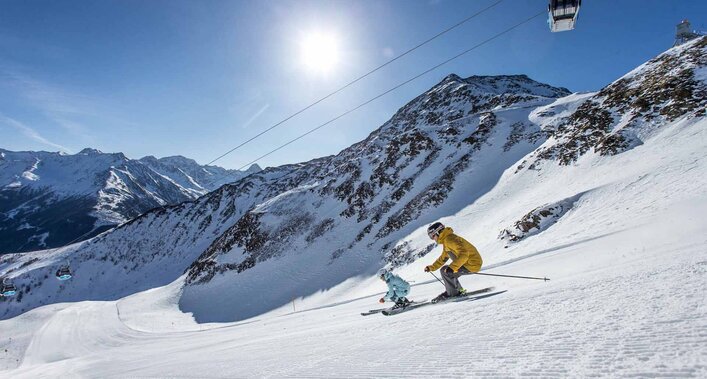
{"x":435,"y":232}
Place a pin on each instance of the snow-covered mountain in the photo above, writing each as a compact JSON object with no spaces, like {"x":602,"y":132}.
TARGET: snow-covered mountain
{"x":49,"y":199}
{"x":494,"y":157}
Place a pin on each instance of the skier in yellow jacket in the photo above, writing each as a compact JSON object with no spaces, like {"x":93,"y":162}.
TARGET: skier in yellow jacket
{"x":465,"y":259}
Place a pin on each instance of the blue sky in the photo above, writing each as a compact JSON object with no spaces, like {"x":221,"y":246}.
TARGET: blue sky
{"x":196,"y":78}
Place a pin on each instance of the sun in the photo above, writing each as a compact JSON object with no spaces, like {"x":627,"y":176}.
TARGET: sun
{"x":319,"y":52}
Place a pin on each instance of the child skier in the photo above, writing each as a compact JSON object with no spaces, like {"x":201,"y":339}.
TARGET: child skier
{"x":397,"y":289}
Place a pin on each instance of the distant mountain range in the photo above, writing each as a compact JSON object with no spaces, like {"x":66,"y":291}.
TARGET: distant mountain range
{"x":48,"y":199}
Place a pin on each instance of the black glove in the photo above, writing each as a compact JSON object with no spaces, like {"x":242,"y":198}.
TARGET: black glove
{"x":448,"y":270}
{"x":427,"y":269}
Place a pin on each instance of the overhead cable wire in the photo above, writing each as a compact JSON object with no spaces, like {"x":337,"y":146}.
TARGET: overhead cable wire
{"x":395,"y":87}
{"x":358,"y":79}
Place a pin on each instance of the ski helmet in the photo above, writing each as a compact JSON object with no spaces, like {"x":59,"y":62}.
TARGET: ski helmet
{"x":382,"y":272}
{"x":434,"y":229}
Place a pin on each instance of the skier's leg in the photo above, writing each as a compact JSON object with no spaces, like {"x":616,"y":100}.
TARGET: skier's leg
{"x":397,"y":299}
{"x":451,"y":283}
{"x":451,"y":280}
{"x":462,"y":271}
{"x":402,"y":293}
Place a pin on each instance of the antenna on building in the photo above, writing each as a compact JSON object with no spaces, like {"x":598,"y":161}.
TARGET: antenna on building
{"x":684,"y":33}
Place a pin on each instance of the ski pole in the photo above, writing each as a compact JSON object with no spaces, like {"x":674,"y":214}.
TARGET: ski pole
{"x":511,"y":276}
{"x":436,"y":277}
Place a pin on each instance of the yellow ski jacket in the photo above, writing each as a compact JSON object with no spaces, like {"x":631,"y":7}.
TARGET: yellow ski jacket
{"x":462,"y":253}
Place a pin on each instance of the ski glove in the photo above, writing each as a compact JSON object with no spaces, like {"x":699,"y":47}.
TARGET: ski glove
{"x":381,"y":300}
{"x":448,"y":270}
{"x":428,"y":268}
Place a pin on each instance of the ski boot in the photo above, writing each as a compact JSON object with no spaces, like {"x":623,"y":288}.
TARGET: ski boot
{"x":401,"y":303}
{"x":441,"y":297}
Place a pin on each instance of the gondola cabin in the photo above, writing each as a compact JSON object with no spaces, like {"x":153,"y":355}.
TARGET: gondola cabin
{"x":562,"y":14}
{"x":8,"y":289}
{"x":63,"y":273}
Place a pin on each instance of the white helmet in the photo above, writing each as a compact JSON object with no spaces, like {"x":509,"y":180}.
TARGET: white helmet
{"x":435,"y":229}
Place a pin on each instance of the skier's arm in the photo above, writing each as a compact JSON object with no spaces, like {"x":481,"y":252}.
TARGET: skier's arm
{"x":439,"y":262}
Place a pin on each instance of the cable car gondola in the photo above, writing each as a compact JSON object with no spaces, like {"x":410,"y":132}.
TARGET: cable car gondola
{"x":8,"y":289}
{"x":562,"y":14}
{"x":63,"y":273}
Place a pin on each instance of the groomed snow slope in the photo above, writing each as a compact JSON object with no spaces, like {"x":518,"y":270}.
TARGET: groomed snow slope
{"x":628,"y":265}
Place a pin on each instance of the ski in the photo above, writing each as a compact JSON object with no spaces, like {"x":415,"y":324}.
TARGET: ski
{"x":373,"y":311}
{"x":472,"y":295}
{"x":379,"y":310}
{"x":480,"y":296}
{"x":395,"y":311}
{"x":466,"y":295}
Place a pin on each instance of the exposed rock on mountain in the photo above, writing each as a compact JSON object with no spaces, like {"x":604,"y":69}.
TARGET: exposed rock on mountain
{"x":537,"y":220}
{"x":621,"y":115}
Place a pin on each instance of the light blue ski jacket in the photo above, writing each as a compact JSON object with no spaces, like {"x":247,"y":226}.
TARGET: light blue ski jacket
{"x":397,"y":287}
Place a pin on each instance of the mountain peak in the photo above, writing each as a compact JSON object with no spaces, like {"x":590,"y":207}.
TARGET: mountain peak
{"x":178,"y":160}
{"x":454,"y":97}
{"x":89,"y":151}
{"x":496,"y":85}
{"x":253,"y":168}
{"x":452,"y":78}
{"x":518,"y":84}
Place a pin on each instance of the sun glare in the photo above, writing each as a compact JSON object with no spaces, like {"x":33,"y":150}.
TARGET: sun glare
{"x":319,"y":52}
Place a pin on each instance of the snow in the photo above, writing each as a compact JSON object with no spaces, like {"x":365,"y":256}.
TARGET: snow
{"x":626,"y":255}
{"x":628,"y":268}
{"x":41,"y":238}
{"x":582,"y":323}
{"x":30,"y":176}
{"x":25,"y":226}
{"x":548,"y":115}
{"x":280,"y":200}
{"x":701,"y":74}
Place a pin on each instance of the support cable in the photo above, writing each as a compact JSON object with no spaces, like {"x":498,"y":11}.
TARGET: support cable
{"x":359,"y":78}
{"x":395,"y":87}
